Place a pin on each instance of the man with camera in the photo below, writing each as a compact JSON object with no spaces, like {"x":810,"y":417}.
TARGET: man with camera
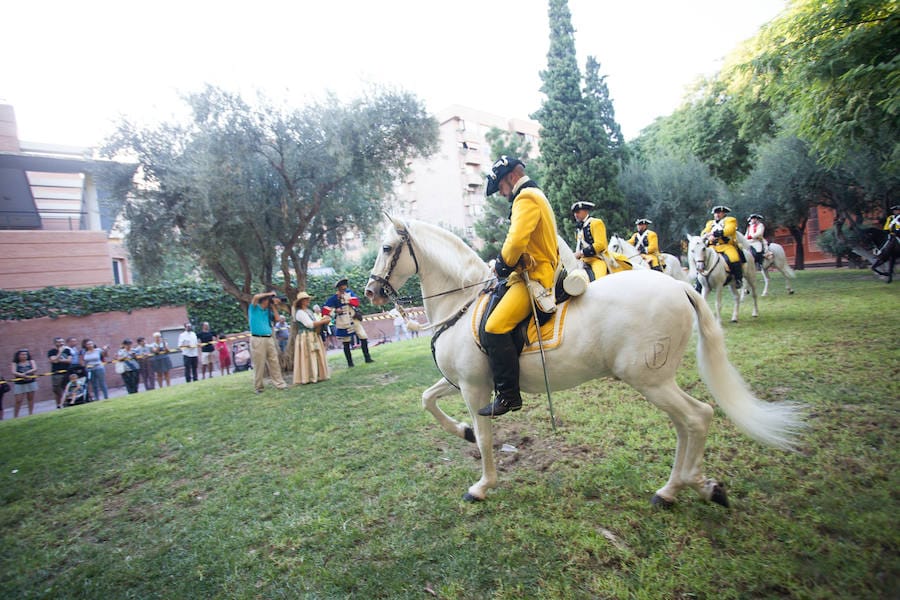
{"x":263,"y":352}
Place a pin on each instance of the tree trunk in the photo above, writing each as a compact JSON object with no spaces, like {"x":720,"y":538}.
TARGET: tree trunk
{"x":799,"y":256}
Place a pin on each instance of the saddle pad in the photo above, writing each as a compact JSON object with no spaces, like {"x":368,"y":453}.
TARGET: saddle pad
{"x":551,"y":331}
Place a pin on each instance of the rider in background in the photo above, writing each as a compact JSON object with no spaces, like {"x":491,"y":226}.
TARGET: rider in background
{"x":720,"y":233}
{"x":646,"y":242}
{"x":756,"y":231}
{"x":892,"y":223}
{"x":532,"y":232}
{"x":591,"y":243}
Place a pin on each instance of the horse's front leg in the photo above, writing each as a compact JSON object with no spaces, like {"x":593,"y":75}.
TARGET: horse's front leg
{"x":442,"y":389}
{"x":765,"y":277}
{"x":477,"y":397}
{"x":736,"y":294}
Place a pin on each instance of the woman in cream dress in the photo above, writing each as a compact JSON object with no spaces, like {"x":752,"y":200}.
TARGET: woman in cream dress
{"x":310,"y":361}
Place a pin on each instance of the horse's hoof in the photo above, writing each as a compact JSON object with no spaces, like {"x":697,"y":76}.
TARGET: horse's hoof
{"x":470,"y":435}
{"x":734,"y":320}
{"x":661,"y":502}
{"x":467,"y":497}
{"x":719,"y":496}
{"x":791,"y":292}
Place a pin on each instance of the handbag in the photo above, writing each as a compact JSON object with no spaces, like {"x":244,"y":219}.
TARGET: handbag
{"x":4,"y":387}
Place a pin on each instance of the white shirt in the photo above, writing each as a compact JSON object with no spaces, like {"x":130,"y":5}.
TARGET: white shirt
{"x":187,"y":343}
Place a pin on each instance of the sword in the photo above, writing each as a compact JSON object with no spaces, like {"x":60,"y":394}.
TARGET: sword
{"x":537,"y":327}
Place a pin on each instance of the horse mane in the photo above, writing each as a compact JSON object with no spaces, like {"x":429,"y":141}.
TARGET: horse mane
{"x":433,"y":242}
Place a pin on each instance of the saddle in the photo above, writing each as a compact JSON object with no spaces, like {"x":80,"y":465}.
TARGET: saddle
{"x":524,"y":335}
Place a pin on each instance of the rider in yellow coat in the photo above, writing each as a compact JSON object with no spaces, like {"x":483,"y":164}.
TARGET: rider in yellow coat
{"x":532,"y":231}
{"x":591,"y":243}
{"x":645,"y":241}
{"x":721,"y":233}
{"x":892,"y":223}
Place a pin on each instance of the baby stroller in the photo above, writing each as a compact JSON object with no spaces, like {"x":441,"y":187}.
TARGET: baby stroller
{"x":77,"y":390}
{"x":240,"y":352}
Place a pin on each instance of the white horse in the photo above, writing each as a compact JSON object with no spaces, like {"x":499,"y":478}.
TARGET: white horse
{"x":671,"y":265}
{"x":604,"y":335}
{"x":776,"y":258}
{"x":708,"y":267}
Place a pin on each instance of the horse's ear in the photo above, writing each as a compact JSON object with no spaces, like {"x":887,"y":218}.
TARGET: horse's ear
{"x":399,"y":225}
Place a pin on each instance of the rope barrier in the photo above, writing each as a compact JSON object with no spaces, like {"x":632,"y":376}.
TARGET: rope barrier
{"x":29,"y":379}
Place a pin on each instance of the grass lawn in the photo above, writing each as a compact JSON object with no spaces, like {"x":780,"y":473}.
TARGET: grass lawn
{"x":347,"y":489}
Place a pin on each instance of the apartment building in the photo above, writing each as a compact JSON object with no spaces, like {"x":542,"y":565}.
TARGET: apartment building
{"x":52,"y":231}
{"x":447,"y":188}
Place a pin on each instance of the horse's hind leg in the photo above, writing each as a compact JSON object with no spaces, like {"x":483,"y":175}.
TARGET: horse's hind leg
{"x":442,"y":389}
{"x":691,"y":419}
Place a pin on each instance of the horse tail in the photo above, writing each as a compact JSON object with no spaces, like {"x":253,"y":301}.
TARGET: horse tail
{"x":772,"y":424}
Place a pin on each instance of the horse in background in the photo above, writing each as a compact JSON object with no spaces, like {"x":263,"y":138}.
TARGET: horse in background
{"x":603,"y":333}
{"x":776,"y":258}
{"x":887,"y":251}
{"x":708,"y":267}
{"x":670,"y":264}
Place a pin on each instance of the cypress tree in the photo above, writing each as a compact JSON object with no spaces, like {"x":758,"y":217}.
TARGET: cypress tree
{"x":576,"y":151}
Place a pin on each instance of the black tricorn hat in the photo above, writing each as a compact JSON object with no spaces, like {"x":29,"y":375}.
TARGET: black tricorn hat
{"x":895,"y":207}
{"x":718,"y":208}
{"x":643,"y":222}
{"x":583,"y":205}
{"x":341,"y":282}
{"x":755,"y":216}
{"x":502,"y":167}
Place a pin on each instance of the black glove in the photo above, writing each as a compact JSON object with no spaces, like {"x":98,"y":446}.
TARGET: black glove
{"x":501,"y":268}
{"x":717,"y":234}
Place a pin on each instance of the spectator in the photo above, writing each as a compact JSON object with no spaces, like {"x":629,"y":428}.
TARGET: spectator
{"x":142,"y":351}
{"x":94,"y":359}
{"x":24,"y":371}
{"x":207,"y":340}
{"x":127,"y":366}
{"x":399,"y":325}
{"x":75,"y":388}
{"x":5,"y":387}
{"x":60,"y":358}
{"x":161,"y":361}
{"x":310,"y":361}
{"x":75,"y":350}
{"x":224,"y":357}
{"x":187,"y":343}
{"x":282,"y":333}
{"x":263,"y":352}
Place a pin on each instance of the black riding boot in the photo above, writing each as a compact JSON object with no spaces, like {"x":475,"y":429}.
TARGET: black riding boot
{"x":737,"y":272}
{"x":347,"y":354}
{"x":365,"y":349}
{"x":504,"y":361}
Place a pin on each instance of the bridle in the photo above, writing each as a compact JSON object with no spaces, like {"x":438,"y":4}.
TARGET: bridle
{"x":702,"y":261}
{"x":388,"y":290}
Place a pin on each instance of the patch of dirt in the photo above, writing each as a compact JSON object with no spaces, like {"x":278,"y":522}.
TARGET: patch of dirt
{"x":533,"y":452}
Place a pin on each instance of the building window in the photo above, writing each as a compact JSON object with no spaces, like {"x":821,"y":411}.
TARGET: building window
{"x":118,"y":272}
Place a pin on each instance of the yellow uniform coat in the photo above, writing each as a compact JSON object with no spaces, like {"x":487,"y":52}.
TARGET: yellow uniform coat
{"x":647,"y":244}
{"x":532,"y":229}
{"x":727,"y":244}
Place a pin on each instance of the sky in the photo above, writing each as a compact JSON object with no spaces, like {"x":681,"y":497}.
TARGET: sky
{"x":73,"y":68}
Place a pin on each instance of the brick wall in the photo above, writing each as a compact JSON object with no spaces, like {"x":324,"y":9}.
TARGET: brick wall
{"x":104,"y":328}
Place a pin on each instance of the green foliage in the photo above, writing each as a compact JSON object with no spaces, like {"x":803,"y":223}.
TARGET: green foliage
{"x":580,"y":160}
{"x":348,"y":489}
{"x":254,"y":193}
{"x":204,"y":302}
{"x":676,"y":194}
{"x":834,"y":65}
